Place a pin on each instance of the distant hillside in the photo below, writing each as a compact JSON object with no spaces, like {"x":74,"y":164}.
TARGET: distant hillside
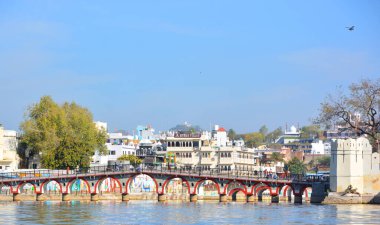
{"x":186,"y":127}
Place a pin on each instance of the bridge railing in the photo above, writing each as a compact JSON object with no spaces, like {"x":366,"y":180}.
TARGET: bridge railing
{"x":126,"y":168}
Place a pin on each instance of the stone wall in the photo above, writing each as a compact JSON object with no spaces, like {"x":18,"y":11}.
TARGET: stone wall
{"x":353,"y":163}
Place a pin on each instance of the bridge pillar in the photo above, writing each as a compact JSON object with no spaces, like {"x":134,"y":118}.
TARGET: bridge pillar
{"x":298,"y":199}
{"x":251,"y":198}
{"x":275,"y":199}
{"x":319,"y":193}
{"x":23,"y":197}
{"x":124,"y":197}
{"x":65,"y":197}
{"x":162,"y":197}
{"x":193,"y":197}
{"x":223,"y":198}
{"x":94,"y":197}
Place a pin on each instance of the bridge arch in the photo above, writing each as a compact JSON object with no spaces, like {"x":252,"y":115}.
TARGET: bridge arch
{"x":233,"y":184}
{"x":211,"y":186}
{"x":286,"y":190}
{"x":289,"y":190}
{"x":6,"y":189}
{"x":108,"y":184}
{"x":49,"y":186}
{"x":132,"y":179}
{"x":26,"y":188}
{"x":167,"y":182}
{"x":79,"y":185}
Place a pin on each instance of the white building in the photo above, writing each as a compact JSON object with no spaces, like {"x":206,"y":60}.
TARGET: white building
{"x":199,"y":150}
{"x":9,"y":159}
{"x":291,"y":135}
{"x":317,"y":147}
{"x":117,"y":145}
{"x":101,"y":125}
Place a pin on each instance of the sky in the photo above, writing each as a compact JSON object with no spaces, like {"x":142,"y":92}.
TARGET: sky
{"x":239,"y":64}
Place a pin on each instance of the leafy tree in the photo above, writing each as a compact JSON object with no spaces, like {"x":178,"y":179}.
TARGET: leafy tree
{"x":296,"y":166}
{"x":324,"y":161}
{"x":357,"y":110}
{"x":231,"y":134}
{"x":254,"y":139}
{"x":277,"y":157}
{"x":134,"y":160}
{"x":272,"y":136}
{"x":311,"y":131}
{"x":63,"y":135}
{"x":264,"y":130}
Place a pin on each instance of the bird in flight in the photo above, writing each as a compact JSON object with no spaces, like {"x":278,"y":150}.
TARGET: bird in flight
{"x":350,"y":28}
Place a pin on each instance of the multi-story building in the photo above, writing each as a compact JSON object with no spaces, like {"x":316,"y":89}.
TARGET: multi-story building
{"x":207,"y":152}
{"x":9,"y":159}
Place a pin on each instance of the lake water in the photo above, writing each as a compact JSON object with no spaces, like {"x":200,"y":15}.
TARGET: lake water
{"x":152,"y":212}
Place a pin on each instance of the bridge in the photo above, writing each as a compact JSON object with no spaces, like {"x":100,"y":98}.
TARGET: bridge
{"x":119,"y":182}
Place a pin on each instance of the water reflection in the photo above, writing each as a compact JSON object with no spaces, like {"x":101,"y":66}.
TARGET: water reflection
{"x":153,"y":212}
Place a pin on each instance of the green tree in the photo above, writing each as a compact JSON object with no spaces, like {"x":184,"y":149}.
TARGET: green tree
{"x":357,"y":110}
{"x":134,"y":160}
{"x":311,"y":131}
{"x":277,"y":157}
{"x":324,"y":161}
{"x":296,"y":166}
{"x":231,"y":134}
{"x":274,"y":135}
{"x":264,"y":130}
{"x":63,"y":135}
{"x":254,"y":139}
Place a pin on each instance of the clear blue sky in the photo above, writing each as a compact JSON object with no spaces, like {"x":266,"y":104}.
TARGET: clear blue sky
{"x":240,"y":64}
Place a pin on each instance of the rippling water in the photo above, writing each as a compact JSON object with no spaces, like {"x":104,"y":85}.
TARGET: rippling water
{"x":152,"y":212}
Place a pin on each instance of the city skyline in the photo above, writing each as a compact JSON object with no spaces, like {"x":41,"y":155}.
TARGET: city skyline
{"x":240,"y":65}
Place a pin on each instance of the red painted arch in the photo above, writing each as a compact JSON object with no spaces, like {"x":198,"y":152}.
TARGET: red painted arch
{"x":262,"y":188}
{"x":70,"y":183}
{"x":285,"y":190}
{"x":131,"y":178}
{"x":237,"y":190}
{"x":23,"y":183}
{"x":231,"y":181}
{"x":7,"y":184}
{"x":172,"y":177}
{"x":201,"y":181}
{"x":47,"y":181}
{"x":102,"y":179}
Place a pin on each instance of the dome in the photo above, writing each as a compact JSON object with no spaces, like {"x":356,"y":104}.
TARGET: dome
{"x":293,"y":129}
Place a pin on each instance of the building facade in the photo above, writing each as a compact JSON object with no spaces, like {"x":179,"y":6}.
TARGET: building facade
{"x":9,"y":159}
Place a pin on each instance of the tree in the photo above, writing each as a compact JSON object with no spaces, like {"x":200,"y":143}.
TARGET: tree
{"x":277,"y":157}
{"x":254,"y":139}
{"x":296,"y":166}
{"x":264,"y":130}
{"x":134,"y":160}
{"x":324,"y":161}
{"x":311,"y":131}
{"x":63,"y":135}
{"x":274,"y":135}
{"x":231,"y":134}
{"x":357,"y":110}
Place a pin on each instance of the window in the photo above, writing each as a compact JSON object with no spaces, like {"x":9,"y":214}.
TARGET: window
{"x":112,"y":153}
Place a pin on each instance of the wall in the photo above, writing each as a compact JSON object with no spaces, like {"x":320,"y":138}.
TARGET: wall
{"x":353,"y":163}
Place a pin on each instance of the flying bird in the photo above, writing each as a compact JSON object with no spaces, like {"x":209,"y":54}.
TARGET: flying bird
{"x":350,"y":28}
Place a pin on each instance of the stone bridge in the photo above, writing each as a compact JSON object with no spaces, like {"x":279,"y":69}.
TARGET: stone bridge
{"x":159,"y":183}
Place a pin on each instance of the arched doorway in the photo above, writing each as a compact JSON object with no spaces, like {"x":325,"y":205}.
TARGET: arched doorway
{"x":176,"y":189}
{"x":51,"y":187}
{"x":141,"y":187}
{"x":79,"y":187}
{"x":207,"y":190}
{"x":5,"y":189}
